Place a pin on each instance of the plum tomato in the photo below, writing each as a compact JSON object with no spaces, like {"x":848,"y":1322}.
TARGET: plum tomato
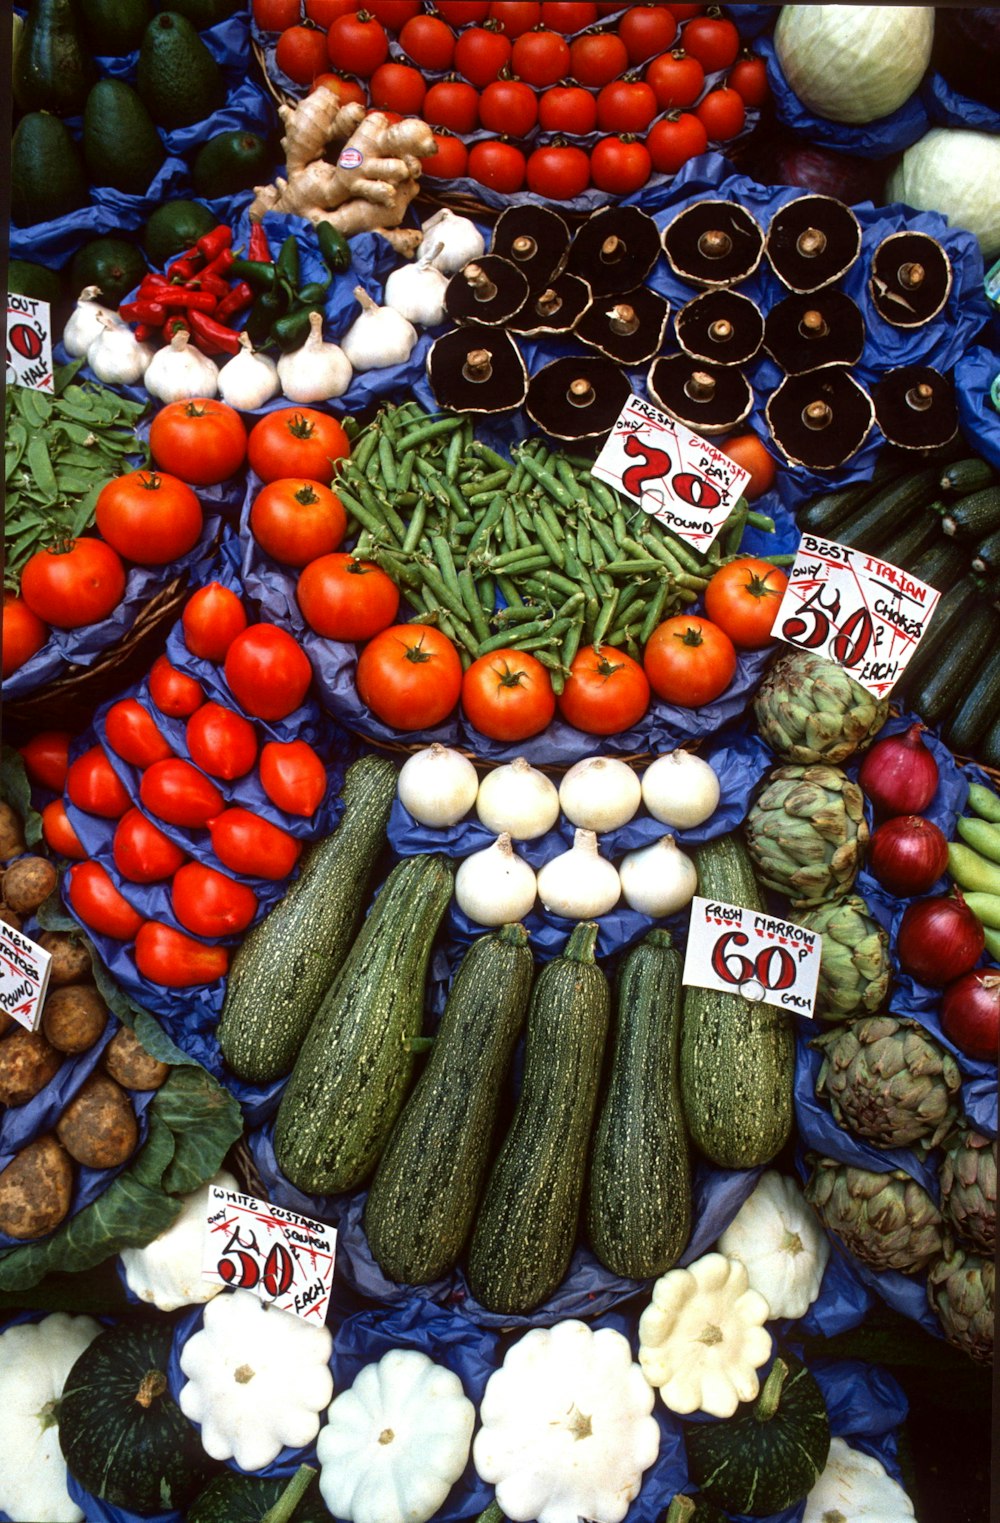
{"x":93,"y":785}
{"x":212,"y":618}
{"x":221,"y":742}
{"x":168,"y":957}
{"x":173,"y":692}
{"x":133,"y":734}
{"x":142,"y":852}
{"x":293,"y":777}
{"x":100,"y":906}
{"x":268,"y":672}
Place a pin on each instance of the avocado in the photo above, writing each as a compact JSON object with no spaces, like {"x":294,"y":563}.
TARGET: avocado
{"x":114,"y":27}
{"x":53,"y":71}
{"x":173,"y":227}
{"x":27,"y":279}
{"x":206,"y":13}
{"x":121,"y":147}
{"x":112,"y":265}
{"x":177,"y":77}
{"x":47,"y":176}
{"x":229,"y":162}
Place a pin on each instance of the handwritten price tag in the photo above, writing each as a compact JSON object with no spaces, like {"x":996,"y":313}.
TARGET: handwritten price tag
{"x":29,"y":342}
{"x":24,"y":976}
{"x":855,"y":609}
{"x":285,"y":1258}
{"x":683,"y":481}
{"x":739,"y":951}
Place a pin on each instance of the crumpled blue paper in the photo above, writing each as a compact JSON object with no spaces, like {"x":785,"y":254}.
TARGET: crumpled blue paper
{"x":979,"y":420}
{"x":949,"y":108}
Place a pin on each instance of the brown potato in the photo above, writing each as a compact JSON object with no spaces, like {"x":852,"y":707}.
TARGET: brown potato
{"x":9,"y":918}
{"x":73,"y":1017}
{"x":27,"y":1063}
{"x":98,"y":1127}
{"x":127,"y":1060}
{"x":27,"y":883}
{"x":36,"y":1189}
{"x":12,"y":842}
{"x":6,"y":1022}
{"x":70,"y":958}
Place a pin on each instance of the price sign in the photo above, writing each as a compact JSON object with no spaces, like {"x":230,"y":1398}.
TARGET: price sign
{"x":285,"y":1258}
{"x":29,"y":343}
{"x":740,"y":951}
{"x":24,"y":976}
{"x":683,"y":481}
{"x":855,"y":609}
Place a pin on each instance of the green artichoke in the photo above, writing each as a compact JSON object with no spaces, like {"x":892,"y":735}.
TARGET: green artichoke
{"x":888,"y":1081}
{"x":807,"y":833}
{"x":810,"y":710}
{"x":969,"y":1187}
{"x":854,"y":965}
{"x":886,"y":1221}
{"x":960,"y":1290}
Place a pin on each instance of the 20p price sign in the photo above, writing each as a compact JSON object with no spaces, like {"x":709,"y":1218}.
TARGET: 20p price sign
{"x":855,"y":609}
{"x":684,"y":482}
{"x":740,"y":951}
{"x":284,"y":1258}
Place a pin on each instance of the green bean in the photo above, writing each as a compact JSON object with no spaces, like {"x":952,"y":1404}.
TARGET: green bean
{"x":548,"y":542}
{"x":427,"y":431}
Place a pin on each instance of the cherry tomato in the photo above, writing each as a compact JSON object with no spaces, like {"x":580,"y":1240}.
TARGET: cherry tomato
{"x":212,"y":618}
{"x":98,"y":903}
{"x":93,"y":785}
{"x":175,"y":791}
{"x":343,"y":598}
{"x":450,"y":158}
{"x":516,"y":16}
{"x":753,"y":455}
{"x":356,"y":46}
{"x":168,"y":957}
{"x":46,"y":759}
{"x":23,"y":633}
{"x":674,"y":140}
{"x":429,"y":42}
{"x":748,"y":77}
{"x":500,"y":166}
{"x":452,"y":103}
{"x":275,"y":15}
{"x":677,"y":80}
{"x":210,"y":904}
{"x":293,"y":777}
{"x":141,"y":851}
{"x":393,"y":14}
{"x":132,"y":734}
{"x":606,"y":691}
{"x":540,"y":58}
{"x":619,"y":166}
{"x":508,"y":695}
{"x":296,"y":441}
{"x":221,"y":742}
{"x":508,"y":106}
{"x":646,"y":30}
{"x":596,"y":58}
{"x":347,"y":89}
{"x":149,"y":517}
{"x":722,"y":114}
{"x":325,"y":12}
{"x":409,"y":676}
{"x":75,"y":583}
{"x":173,"y":692}
{"x":463,"y":12}
{"x":743,"y":598}
{"x":397,"y":87}
{"x":301,"y":53}
{"x":568,"y":15}
{"x":268,"y":671}
{"x":626,"y":106}
{"x":200,"y":440}
{"x":567,"y":108}
{"x":689,"y":661}
{"x":713,"y":40}
{"x":246,"y":844}
{"x":558,"y":172}
{"x":480,"y":55}
{"x":58,"y":833}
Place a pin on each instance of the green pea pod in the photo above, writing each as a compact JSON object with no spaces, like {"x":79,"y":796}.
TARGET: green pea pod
{"x":334,"y":247}
{"x":287,"y":262}
{"x":290,"y":332}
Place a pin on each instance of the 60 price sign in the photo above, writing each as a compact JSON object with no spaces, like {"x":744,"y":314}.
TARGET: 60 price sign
{"x":763,"y":959}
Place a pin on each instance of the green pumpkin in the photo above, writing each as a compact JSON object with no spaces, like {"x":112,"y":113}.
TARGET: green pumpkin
{"x":233,"y":1498}
{"x":123,"y":1436}
{"x":770,"y":1454}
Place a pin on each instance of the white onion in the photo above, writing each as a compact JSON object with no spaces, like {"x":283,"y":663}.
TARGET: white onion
{"x":680,"y":789}
{"x":518,"y":799}
{"x":495,"y":886}
{"x":600,"y":793}
{"x":659,"y":879}
{"x":438,"y":785}
{"x":579,"y":884}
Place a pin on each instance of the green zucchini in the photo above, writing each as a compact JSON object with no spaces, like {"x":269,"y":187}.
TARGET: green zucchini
{"x":526,"y":1226}
{"x":987,"y":556}
{"x":873,"y":523}
{"x":941,"y":565}
{"x":639,"y":1194}
{"x":984,"y":802}
{"x":948,"y":617}
{"x":978,"y":708}
{"x":737,"y":1058}
{"x":912,"y":540}
{"x":974,"y":516}
{"x":986,"y":908}
{"x":989,"y":746}
{"x":972,"y":870}
{"x":823,"y":514}
{"x":423,"y":1199}
{"x":284,"y":967}
{"x":967,"y":476}
{"x":941,"y":688}
{"x":354,"y":1067}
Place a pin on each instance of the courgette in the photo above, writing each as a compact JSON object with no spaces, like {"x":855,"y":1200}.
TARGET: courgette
{"x":912,"y":540}
{"x":354,"y":1067}
{"x":284,"y":967}
{"x":526,"y":1226}
{"x":989,"y":746}
{"x":978,"y":708}
{"x":987,"y":556}
{"x":967,"y":476}
{"x":423,"y":1198}
{"x":984,"y":802}
{"x":974,"y":516}
{"x":639,"y":1192}
{"x":823,"y":514}
{"x":942,"y":565}
{"x":878,"y":518}
{"x":737,"y":1058}
{"x":948,"y":617}
{"x":940,"y":689}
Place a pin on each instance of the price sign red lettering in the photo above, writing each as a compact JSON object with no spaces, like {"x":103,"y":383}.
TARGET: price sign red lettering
{"x":740,"y":951}
{"x":285,"y":1258}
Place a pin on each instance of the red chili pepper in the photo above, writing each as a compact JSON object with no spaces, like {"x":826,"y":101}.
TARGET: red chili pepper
{"x":152,"y":284}
{"x":259,"y":248}
{"x":213,"y":336}
{"x":144,"y":310}
{"x":211,"y":244}
{"x":175,"y":325}
{"x":186,"y":264}
{"x":143,"y":331}
{"x":180,"y":299}
{"x":220,"y":264}
{"x":238,"y":299}
{"x":206,"y":282}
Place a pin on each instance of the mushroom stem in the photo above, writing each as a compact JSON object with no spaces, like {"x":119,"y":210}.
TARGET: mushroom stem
{"x":920,"y":397}
{"x":612,"y":249}
{"x":549,"y":303}
{"x":817,"y":415}
{"x":715,"y":244}
{"x":623,"y":320}
{"x":524,"y":247}
{"x":813,"y":324}
{"x":811,"y":242}
{"x":700,"y":386}
{"x":478,"y":365}
{"x":911,"y":275}
{"x":580,"y":393}
{"x":480,"y":282}
{"x":721,"y":331}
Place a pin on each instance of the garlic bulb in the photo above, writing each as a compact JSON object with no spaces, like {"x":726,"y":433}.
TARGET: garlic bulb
{"x":518,"y":799}
{"x":438,"y":785}
{"x":457,"y":239}
{"x":380,"y":337}
{"x":417,"y":291}
{"x":495,"y":886}
{"x":600,"y":793}
{"x":249,"y":379}
{"x":579,"y":884}
{"x":180,"y":371}
{"x":680,"y":789}
{"x":87,"y":321}
{"x":116,"y":355}
{"x":317,"y":371}
{"x":659,"y":879}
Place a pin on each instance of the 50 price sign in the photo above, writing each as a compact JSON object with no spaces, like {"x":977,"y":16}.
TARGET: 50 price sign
{"x":739,"y":951}
{"x":285,"y":1258}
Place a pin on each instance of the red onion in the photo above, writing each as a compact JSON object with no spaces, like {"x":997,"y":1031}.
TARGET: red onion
{"x":970,"y":1013}
{"x":939,"y":939}
{"x":783,"y":159}
{"x":907,"y":855}
{"x":899,"y":774}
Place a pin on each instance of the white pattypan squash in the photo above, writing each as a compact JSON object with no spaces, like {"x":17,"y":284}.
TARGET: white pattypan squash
{"x":854,"y":63}
{"x":702,"y":1338}
{"x":779,"y":1239}
{"x":855,"y":1488}
{"x":167,"y":1271}
{"x":396,"y":1441}
{"x":35,"y":1358}
{"x":567,"y":1427}
{"x":257,"y":1380}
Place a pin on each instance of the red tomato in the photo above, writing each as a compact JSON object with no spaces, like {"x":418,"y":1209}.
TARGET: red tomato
{"x":149,"y":517}
{"x":201,"y":441}
{"x":568,"y":15}
{"x":567,"y":108}
{"x":429,"y":41}
{"x":677,"y":80}
{"x":246,"y":844}
{"x":98,"y":903}
{"x":606,"y":691}
{"x":516,"y":16}
{"x":175,"y":791}
{"x":296,"y":441}
{"x":325,"y":12}
{"x":301,"y":53}
{"x":626,"y":106}
{"x":752,"y":454}
{"x":173,"y":692}
{"x":596,"y":58}
{"x":450,"y":158}
{"x":540,"y":58}
{"x":748,"y":77}
{"x":397,"y":87}
{"x":347,"y":89}
{"x":743,"y":598}
{"x":454,"y":104}
{"x":480,"y":55}
{"x":508,"y":695}
{"x":683,"y":12}
{"x":646,"y":30}
{"x":356,"y":46}
{"x":343,"y":598}
{"x":558,"y":172}
{"x":268,"y":671}
{"x":393,"y":14}
{"x":75,"y":583}
{"x":619,"y":166}
{"x":409,"y":676}
{"x":23,"y":633}
{"x":463,"y":12}
{"x":58,"y":833}
{"x":674,"y":140}
{"x":722,"y":114}
{"x":713,"y":40}
{"x":689,"y":661}
{"x":293,"y":777}
{"x":294,"y":521}
{"x":500,"y":166}
{"x":508,"y":106}
{"x":141,"y":851}
{"x":92,"y":784}
{"x":46,"y":759}
{"x":132,"y":734}
{"x":275,"y":15}
{"x":210,"y":904}
{"x":212,"y":618}
{"x":221,"y":742}
{"x":168,"y":957}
